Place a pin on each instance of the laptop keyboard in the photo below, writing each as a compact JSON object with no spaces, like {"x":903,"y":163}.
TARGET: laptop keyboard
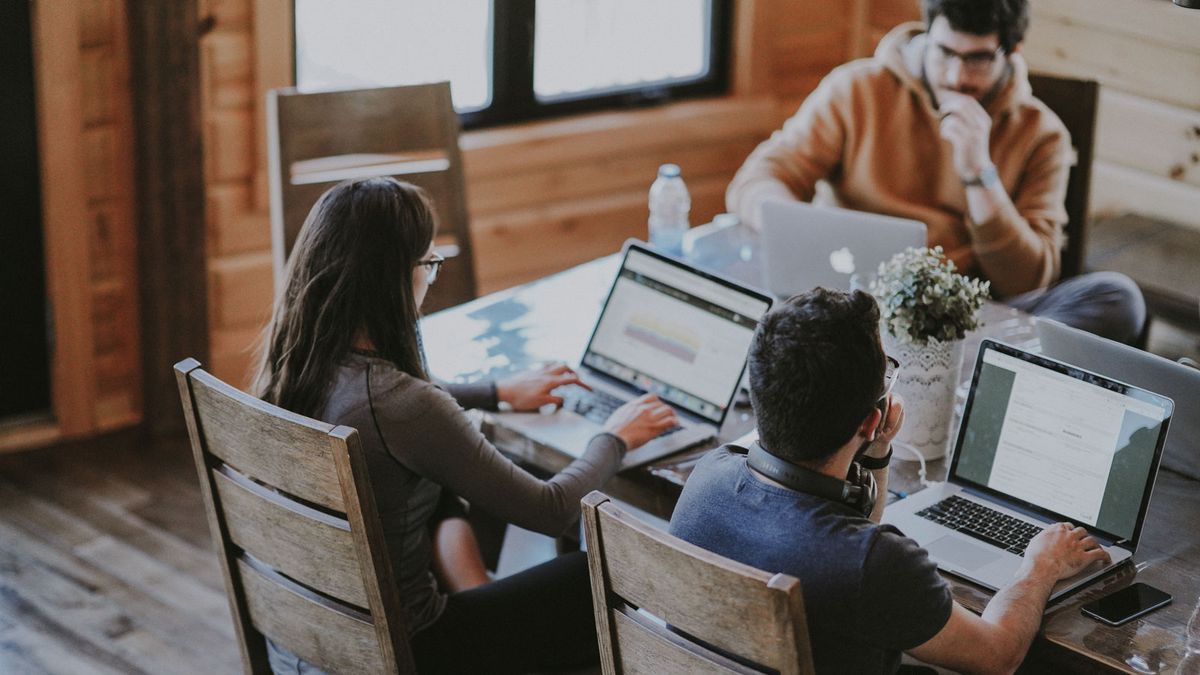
{"x":596,"y":405}
{"x":976,"y":520}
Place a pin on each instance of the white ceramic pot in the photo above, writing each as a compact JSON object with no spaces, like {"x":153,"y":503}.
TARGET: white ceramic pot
{"x":927,"y":381}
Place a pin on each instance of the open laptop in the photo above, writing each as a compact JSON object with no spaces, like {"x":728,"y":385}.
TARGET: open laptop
{"x":1139,"y":368}
{"x":1040,"y":442}
{"x":667,"y":328}
{"x":806,"y":246}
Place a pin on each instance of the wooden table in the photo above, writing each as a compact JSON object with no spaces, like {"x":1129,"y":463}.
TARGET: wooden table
{"x":551,"y":319}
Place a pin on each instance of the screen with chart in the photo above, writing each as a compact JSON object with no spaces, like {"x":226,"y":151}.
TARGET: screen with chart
{"x":676,"y":334}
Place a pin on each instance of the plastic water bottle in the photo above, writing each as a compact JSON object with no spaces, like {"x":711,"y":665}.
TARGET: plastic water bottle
{"x":669,"y":206}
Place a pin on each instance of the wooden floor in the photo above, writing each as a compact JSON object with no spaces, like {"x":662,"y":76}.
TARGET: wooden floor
{"x":106,"y":564}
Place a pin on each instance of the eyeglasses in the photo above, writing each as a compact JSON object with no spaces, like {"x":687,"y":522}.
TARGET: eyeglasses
{"x":978,"y":62}
{"x":434,"y":264}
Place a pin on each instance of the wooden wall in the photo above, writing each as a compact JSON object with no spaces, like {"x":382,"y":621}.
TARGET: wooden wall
{"x":85,"y":140}
{"x":542,"y":196}
{"x":111,"y":227}
{"x":1146,"y":56}
{"x":547,"y":195}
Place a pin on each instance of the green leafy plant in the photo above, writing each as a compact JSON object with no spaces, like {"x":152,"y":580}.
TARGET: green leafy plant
{"x":922,"y":298}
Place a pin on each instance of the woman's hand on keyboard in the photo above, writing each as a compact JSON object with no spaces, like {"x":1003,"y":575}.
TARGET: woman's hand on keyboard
{"x":532,"y":389}
{"x":640,"y":420}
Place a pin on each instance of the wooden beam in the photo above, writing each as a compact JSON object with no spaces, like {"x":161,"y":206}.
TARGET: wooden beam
{"x":274,"y":66}
{"x":58,"y":75}
{"x":751,"y":64}
{"x":164,"y":42}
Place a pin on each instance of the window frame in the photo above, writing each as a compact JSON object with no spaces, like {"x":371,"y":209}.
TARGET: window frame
{"x":512,"y":53}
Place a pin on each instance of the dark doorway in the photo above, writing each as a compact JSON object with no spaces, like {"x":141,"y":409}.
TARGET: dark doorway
{"x":24,"y":342}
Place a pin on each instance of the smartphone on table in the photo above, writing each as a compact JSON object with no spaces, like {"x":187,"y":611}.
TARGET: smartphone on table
{"x":1126,"y":604}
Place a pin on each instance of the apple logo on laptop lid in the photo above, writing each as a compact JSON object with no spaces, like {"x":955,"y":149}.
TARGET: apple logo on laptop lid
{"x":842,"y":261}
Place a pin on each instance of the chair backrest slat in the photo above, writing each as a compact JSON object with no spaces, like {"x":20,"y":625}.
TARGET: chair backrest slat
{"x":757,"y":616}
{"x":409,"y":132}
{"x":332,"y":637}
{"x":289,"y":452}
{"x":652,"y":650}
{"x":311,"y":547}
{"x":294,"y":520}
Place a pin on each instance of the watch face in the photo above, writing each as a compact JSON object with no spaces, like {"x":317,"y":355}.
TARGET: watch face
{"x":986,"y":178}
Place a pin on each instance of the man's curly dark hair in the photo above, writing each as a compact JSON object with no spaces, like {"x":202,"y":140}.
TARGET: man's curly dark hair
{"x":1008,"y":19}
{"x":816,"y":370}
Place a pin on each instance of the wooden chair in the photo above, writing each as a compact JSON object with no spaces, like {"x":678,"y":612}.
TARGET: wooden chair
{"x":316,"y":140}
{"x":295,"y":526}
{"x":644,"y":579}
{"x":1075,"y":103}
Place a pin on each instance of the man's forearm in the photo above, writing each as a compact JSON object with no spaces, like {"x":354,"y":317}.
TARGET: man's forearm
{"x":1010,"y":251}
{"x":881,"y":484}
{"x":1017,"y":611}
{"x":986,"y":204}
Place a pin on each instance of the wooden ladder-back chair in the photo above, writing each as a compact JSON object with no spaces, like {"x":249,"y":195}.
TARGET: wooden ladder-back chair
{"x":295,"y":525}
{"x":755,"y":618}
{"x":1075,"y":102}
{"x":316,"y":140}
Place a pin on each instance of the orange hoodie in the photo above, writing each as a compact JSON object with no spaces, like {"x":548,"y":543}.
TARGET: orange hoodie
{"x":871,"y":131}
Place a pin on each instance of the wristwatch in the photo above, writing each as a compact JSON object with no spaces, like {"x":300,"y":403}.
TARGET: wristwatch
{"x":875,"y":463}
{"x":986,"y":178}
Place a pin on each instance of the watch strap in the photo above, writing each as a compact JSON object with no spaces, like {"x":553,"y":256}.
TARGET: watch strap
{"x":875,"y":463}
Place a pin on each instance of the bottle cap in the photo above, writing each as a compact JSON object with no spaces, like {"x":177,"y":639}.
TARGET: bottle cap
{"x":669,"y":171}
{"x":723,"y":220}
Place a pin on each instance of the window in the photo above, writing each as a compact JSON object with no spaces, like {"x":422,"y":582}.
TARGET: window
{"x":512,"y":60}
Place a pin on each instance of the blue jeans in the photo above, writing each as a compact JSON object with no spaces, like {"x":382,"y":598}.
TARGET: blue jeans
{"x":1108,"y":304}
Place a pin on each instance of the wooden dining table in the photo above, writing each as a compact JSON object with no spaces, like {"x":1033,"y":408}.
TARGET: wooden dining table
{"x":550,"y":320}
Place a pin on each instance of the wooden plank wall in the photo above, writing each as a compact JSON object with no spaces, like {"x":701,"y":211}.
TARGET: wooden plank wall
{"x":547,"y":195}
{"x":1146,"y":56}
{"x":108,"y":166}
{"x":544,"y":196}
{"x":85,"y":116}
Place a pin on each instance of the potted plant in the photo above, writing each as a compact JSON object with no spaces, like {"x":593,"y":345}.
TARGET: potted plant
{"x":926,"y":309}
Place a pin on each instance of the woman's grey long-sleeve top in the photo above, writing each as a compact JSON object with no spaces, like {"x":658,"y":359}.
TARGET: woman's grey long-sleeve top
{"x":417,"y":440}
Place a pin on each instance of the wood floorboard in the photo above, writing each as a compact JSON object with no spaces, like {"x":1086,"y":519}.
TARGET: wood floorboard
{"x":106,"y":563}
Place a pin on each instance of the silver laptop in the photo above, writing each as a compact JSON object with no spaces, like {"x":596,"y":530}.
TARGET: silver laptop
{"x":667,"y":328}
{"x":1139,"y":368}
{"x":1040,"y":442}
{"x":806,"y":246}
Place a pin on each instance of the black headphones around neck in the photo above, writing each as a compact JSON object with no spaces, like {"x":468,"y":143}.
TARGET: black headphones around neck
{"x":858,"y":491}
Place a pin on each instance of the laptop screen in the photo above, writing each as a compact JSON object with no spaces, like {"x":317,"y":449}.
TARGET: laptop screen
{"x":1070,"y":444}
{"x":677,"y":332}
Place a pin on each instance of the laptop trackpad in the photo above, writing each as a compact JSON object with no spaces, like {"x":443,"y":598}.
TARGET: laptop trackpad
{"x":961,"y":554}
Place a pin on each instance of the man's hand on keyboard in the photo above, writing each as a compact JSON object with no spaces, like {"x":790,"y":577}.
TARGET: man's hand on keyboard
{"x":640,"y":420}
{"x":1062,"y":550}
{"x":533,"y":389}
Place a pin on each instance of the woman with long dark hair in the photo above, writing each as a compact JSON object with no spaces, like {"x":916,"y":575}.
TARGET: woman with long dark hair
{"x":344,"y":346}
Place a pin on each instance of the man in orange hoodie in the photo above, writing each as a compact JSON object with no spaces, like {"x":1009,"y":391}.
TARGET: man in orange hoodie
{"x":941,"y":127}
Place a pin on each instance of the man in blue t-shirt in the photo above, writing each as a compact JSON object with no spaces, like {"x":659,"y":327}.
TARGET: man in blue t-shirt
{"x":817,"y":386}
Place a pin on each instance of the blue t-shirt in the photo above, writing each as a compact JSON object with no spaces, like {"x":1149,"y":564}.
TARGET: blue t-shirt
{"x":869,"y":591}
